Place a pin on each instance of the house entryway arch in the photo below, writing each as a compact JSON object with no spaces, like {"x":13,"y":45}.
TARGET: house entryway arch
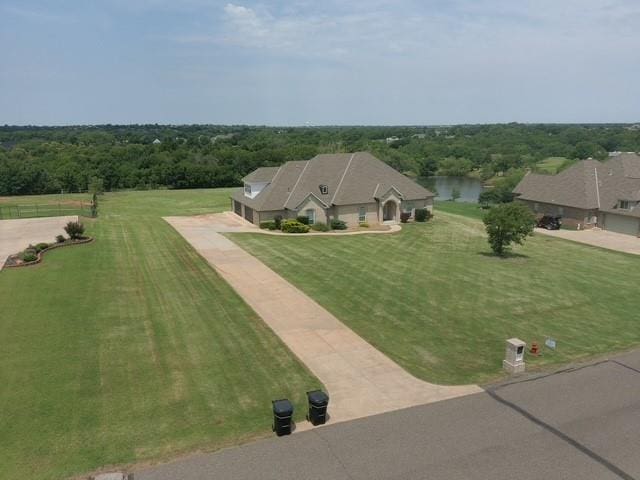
{"x":389,"y":211}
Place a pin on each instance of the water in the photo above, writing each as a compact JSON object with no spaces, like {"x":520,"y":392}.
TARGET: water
{"x":468,"y":187}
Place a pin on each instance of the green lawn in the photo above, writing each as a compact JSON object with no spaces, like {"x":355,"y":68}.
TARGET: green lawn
{"x":551,"y":164}
{"x":433,"y":299}
{"x":132,"y":347}
{"x":467,"y":209}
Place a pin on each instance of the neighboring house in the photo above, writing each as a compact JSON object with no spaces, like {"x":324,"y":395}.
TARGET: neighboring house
{"x":353,"y":187}
{"x":589,"y":194}
{"x":156,"y":141}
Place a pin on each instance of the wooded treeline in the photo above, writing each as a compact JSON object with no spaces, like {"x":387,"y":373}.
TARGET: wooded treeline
{"x":36,"y":160}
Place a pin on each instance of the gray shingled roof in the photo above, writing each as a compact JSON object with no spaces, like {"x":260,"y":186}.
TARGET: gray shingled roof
{"x":262,"y":174}
{"x":617,"y":179}
{"x":351,"y":178}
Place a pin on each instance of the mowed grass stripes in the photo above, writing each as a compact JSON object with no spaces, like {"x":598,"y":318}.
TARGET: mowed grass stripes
{"x":132,"y":348}
{"x":434,"y":299}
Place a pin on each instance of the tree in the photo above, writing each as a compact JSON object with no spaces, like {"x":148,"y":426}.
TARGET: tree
{"x":508,"y":223}
{"x":455,"y":194}
{"x":96,"y":186}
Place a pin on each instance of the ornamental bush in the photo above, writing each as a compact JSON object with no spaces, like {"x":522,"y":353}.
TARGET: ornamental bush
{"x":294,"y":226}
{"x":29,"y":257}
{"x":268,"y":225}
{"x":41,"y":246}
{"x":60,"y":238}
{"x":405,"y":216}
{"x":364,"y":224}
{"x":278,"y":221}
{"x":422,"y":215}
{"x":303,"y":219}
{"x":74,"y":230}
{"x":338,"y":224}
{"x":320,"y":227}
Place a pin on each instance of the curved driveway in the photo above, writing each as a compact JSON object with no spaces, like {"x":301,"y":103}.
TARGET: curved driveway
{"x":361,"y":381}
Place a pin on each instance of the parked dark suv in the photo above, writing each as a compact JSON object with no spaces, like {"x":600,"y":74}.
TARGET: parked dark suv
{"x":550,"y":223}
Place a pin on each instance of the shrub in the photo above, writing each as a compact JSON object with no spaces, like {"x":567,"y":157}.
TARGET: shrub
{"x":422,"y":215}
{"x":278,"y":221}
{"x":294,"y":226}
{"x":405,"y":216}
{"x":29,"y":256}
{"x":60,"y":238}
{"x":41,"y":246}
{"x":338,"y":224}
{"x":320,"y":227}
{"x":268,"y":225}
{"x":364,"y":224}
{"x":74,"y":230}
{"x":303,"y":219}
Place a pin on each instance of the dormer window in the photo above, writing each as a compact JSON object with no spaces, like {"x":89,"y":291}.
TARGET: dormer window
{"x":624,"y":204}
{"x":247,"y":189}
{"x":324,"y":189}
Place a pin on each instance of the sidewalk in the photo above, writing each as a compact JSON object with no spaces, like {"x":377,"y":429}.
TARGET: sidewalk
{"x":360,"y":380}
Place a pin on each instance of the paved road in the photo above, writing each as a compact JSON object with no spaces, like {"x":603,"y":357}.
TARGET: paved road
{"x":582,"y":423}
{"x":16,"y":235}
{"x":360,"y":379}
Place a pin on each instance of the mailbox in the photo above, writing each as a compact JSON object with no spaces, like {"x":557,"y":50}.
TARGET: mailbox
{"x":514,"y":356}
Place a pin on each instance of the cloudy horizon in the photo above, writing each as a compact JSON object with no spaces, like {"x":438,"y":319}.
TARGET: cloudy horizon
{"x":339,"y":63}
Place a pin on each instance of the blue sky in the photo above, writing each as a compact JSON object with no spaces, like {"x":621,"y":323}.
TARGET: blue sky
{"x":309,"y":62}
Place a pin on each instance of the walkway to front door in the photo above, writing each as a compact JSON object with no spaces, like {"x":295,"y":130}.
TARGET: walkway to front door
{"x":361,"y":380}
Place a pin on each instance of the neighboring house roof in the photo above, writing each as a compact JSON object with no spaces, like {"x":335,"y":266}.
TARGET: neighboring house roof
{"x":588,"y":184}
{"x":351,"y":178}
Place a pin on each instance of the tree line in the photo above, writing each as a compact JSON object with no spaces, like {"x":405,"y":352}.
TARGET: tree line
{"x":38,"y":160}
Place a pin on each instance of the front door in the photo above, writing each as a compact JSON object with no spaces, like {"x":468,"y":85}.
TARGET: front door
{"x":389,"y":211}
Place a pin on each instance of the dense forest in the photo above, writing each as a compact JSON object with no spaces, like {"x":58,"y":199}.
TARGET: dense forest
{"x":36,"y":160}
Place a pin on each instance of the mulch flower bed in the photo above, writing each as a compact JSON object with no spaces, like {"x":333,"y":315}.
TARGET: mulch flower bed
{"x":16,"y":260}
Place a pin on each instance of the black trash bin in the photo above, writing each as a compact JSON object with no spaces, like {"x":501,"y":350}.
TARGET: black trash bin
{"x":282,"y":416}
{"x":318,"y":402}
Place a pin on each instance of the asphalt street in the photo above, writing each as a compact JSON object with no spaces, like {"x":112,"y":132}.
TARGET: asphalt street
{"x":580,"y":423}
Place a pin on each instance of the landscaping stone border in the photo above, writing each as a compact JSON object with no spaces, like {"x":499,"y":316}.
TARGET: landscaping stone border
{"x":51,"y":247}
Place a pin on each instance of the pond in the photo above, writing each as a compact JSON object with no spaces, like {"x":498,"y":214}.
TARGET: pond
{"x":443,"y":187}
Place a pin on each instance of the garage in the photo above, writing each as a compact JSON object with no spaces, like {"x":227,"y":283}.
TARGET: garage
{"x":621,"y":224}
{"x":237,"y":207}
{"x":248,"y":213}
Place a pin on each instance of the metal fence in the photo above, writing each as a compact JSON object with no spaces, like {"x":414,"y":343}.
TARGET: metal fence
{"x":45,"y":210}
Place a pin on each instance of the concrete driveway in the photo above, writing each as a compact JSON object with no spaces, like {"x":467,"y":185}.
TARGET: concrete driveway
{"x":16,"y":235}
{"x":598,"y":238}
{"x":581,"y":423}
{"x":360,"y":380}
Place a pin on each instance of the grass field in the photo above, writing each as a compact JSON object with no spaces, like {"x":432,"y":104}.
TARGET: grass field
{"x":131,"y":348}
{"x":433,"y":298}
{"x":551,"y":164}
{"x":466,"y":209}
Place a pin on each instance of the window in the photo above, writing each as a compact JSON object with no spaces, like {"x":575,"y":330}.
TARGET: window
{"x":408,"y":207}
{"x":311,"y":214}
{"x":324,"y":189}
{"x":362,"y":215}
{"x":247,"y":189}
{"x":561,"y":211}
{"x":624,"y":204}
{"x":536,"y":207}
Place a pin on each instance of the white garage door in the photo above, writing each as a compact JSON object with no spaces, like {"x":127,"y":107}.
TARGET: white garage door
{"x":621,"y":224}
